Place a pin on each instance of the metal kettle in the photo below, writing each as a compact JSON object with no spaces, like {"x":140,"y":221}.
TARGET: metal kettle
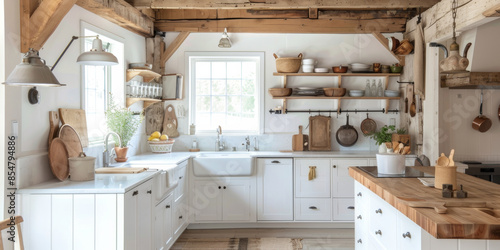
{"x":453,"y":62}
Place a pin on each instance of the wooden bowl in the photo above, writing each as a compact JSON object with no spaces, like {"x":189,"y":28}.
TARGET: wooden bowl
{"x":404,"y":48}
{"x":336,"y":92}
{"x":340,"y":69}
{"x":280,"y":92}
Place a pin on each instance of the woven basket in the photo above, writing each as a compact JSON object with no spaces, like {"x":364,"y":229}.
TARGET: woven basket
{"x":161,"y":147}
{"x":288,"y":64}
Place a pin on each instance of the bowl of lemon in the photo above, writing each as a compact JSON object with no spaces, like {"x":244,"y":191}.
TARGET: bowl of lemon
{"x":160,"y":144}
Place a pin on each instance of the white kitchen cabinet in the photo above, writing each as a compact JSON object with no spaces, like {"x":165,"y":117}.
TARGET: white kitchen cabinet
{"x":163,"y":226}
{"x":275,"y":189}
{"x":180,"y":176}
{"x":138,"y":217}
{"x":313,"y":209}
{"x":318,"y":187}
{"x":342,"y":183}
{"x":229,"y":199}
{"x":343,"y":209}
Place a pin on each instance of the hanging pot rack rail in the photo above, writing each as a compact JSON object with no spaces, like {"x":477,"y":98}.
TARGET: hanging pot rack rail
{"x":339,"y":111}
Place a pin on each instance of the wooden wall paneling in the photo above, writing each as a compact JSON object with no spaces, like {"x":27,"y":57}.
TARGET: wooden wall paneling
{"x":437,"y":20}
{"x":285,"y":26}
{"x":173,"y":47}
{"x":304,"y":4}
{"x":106,"y":221}
{"x":84,"y":223}
{"x":121,"y":13}
{"x":62,"y":221}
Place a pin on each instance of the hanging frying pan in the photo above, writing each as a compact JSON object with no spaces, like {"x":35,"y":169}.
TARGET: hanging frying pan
{"x":481,"y":123}
{"x":347,"y":135}
{"x":368,"y":126}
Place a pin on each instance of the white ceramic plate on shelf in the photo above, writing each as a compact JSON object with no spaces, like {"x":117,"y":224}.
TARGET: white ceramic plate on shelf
{"x":391,"y":93}
{"x":321,"y":70}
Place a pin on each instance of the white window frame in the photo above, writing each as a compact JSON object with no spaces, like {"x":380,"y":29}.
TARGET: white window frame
{"x":118,"y":90}
{"x":259,"y":91}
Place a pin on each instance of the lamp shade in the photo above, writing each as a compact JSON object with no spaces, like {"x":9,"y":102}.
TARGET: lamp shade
{"x":32,"y":71}
{"x":97,"y":56}
{"x":225,"y":42}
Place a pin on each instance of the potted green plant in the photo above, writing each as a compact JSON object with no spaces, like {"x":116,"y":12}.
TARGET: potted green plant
{"x":383,"y":136}
{"x":123,"y":122}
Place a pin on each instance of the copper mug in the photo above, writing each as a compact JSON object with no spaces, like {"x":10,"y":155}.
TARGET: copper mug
{"x":376,"y":67}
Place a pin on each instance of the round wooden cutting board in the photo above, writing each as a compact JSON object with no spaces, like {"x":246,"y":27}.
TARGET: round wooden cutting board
{"x":72,"y":140}
{"x":58,"y":159}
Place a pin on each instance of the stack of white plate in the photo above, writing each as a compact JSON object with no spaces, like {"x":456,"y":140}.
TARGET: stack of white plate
{"x":391,"y":93}
{"x":356,"y":93}
{"x":321,"y":70}
{"x":359,"y":67}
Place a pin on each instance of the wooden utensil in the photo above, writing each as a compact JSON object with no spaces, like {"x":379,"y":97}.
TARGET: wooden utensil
{"x":443,"y":161}
{"x":170,"y":122}
{"x":299,"y":141}
{"x":53,"y":125}
{"x":77,"y":119}
{"x":452,"y":153}
{"x":413,"y":108}
{"x":58,"y":159}
{"x":368,"y":126}
{"x":406,"y":150}
{"x":319,"y":133}
{"x":71,"y":139}
{"x":120,"y":170}
{"x":154,"y":118}
{"x":406,"y":105}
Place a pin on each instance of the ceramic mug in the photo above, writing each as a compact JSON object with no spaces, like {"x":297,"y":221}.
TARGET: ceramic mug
{"x":309,"y":62}
{"x":307,"y":68}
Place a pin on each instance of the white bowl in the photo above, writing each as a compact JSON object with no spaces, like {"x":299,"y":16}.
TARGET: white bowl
{"x":321,"y":70}
{"x":356,"y":93}
{"x":307,"y":68}
{"x":393,"y":164}
{"x":309,"y":62}
{"x":391,"y":93}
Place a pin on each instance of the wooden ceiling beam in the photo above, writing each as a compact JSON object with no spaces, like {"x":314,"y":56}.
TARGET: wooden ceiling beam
{"x":302,"y":4}
{"x":285,"y":26}
{"x":121,"y":13}
{"x":493,"y":12}
{"x":40,"y":19}
{"x":166,"y":54}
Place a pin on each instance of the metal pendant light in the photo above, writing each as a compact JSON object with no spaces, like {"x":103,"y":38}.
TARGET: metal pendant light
{"x":225,"y":42}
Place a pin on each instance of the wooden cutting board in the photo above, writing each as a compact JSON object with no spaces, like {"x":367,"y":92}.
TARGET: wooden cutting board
{"x":58,"y":159}
{"x":119,"y":170}
{"x":170,"y":122}
{"x":71,"y":139}
{"x":300,"y":141}
{"x":53,"y":125}
{"x":320,"y":133}
{"x":77,"y":119}
{"x":154,"y":118}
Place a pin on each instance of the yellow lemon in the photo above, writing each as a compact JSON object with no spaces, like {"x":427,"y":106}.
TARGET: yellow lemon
{"x":155,"y":139}
{"x":156,"y":134}
{"x":150,"y":138}
{"x":163,"y":137}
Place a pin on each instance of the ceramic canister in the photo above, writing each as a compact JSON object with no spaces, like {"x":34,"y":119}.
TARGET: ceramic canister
{"x":82,"y":168}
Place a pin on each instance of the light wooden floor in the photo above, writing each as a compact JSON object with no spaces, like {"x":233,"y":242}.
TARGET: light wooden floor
{"x":332,"y":239}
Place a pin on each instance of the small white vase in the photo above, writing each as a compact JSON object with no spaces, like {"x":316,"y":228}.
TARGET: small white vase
{"x":382,"y":148}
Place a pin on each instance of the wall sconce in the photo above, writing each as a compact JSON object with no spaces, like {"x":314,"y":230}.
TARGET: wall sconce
{"x":33,"y":71}
{"x":225,"y":42}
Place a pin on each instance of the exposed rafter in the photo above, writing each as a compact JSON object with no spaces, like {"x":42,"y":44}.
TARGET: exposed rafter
{"x":122,"y":13}
{"x":288,"y":4}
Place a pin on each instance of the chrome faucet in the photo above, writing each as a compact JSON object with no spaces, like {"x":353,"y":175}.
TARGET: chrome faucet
{"x":105,"y":154}
{"x":255,"y":147}
{"x":219,"y":144}
{"x":246,"y":143}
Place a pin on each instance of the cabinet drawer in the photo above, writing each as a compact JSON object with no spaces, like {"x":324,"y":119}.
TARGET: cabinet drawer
{"x":343,"y":209}
{"x":408,"y":233}
{"x":362,"y":198}
{"x":383,"y":217}
{"x":276,"y":161}
{"x":317,"y":209}
{"x":318,"y":187}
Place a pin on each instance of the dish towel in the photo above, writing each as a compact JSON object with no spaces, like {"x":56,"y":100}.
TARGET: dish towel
{"x":312,"y":172}
{"x":419,"y":62}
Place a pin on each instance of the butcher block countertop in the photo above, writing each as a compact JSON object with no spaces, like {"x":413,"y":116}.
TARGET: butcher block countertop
{"x":458,"y":222}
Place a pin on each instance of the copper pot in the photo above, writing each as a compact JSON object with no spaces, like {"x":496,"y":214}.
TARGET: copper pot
{"x":481,"y":123}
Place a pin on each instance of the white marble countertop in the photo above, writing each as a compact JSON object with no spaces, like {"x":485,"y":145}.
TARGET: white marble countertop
{"x":121,"y":183}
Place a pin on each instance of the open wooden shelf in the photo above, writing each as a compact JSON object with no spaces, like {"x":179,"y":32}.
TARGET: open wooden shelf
{"x":339,"y":97}
{"x":147,"y":101}
{"x":337,"y":74}
{"x":147,"y":75}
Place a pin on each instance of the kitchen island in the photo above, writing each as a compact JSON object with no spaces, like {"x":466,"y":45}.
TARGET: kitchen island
{"x":388,"y":214}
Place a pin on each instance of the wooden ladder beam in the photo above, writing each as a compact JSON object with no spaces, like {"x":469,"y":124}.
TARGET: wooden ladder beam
{"x":37,"y":26}
{"x":166,"y":54}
